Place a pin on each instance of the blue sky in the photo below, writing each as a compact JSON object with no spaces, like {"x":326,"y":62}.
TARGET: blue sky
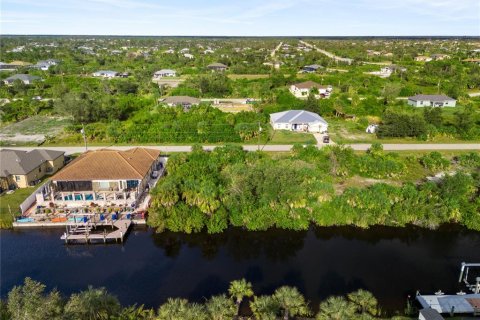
{"x":241,"y":17}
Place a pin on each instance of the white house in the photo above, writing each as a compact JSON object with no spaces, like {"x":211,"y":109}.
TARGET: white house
{"x":185,"y":101}
{"x":431,"y":100}
{"x":189,"y":56}
{"x":105,"y":74}
{"x":164,"y":73}
{"x":46,"y":64}
{"x":298,"y":120}
{"x":303,"y":89}
{"x":25,"y":78}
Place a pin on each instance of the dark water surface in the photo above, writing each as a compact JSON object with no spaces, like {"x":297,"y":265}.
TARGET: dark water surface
{"x":149,"y":267}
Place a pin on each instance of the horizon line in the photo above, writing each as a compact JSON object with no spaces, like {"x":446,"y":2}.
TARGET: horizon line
{"x":247,"y":36}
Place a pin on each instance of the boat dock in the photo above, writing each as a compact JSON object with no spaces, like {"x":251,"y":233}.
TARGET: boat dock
{"x":105,"y":231}
{"x":452,"y":304}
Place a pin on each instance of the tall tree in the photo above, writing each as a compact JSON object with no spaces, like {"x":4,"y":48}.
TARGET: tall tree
{"x":365,"y":301}
{"x":336,"y":308}
{"x":220,"y":308}
{"x":30,"y":302}
{"x":291,"y":301}
{"x":238,"y":290}
{"x":92,"y":304}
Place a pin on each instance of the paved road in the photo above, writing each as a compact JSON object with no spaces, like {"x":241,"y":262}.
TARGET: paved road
{"x":276,"y":148}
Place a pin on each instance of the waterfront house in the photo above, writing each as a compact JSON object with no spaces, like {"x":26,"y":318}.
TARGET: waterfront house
{"x":217,"y":67}
{"x":105,"y":74}
{"x":185,"y":101}
{"x":164,"y":73}
{"x":102,"y":177}
{"x":25,"y":78}
{"x":303,"y":89}
{"x":429,"y":314}
{"x":21,"y":169}
{"x":298,"y":120}
{"x":431,"y":100}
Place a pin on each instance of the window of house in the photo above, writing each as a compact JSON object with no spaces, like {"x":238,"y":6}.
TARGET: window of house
{"x":39,"y":169}
{"x":18,"y":178}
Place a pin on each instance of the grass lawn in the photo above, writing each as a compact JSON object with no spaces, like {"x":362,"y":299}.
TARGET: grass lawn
{"x":288,"y":137}
{"x":13,"y":200}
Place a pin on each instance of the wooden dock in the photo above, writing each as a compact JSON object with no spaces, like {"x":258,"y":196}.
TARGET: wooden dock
{"x":87,"y":233}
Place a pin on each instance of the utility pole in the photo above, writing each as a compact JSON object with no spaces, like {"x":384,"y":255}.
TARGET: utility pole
{"x":84,"y":136}
{"x":259,"y":133}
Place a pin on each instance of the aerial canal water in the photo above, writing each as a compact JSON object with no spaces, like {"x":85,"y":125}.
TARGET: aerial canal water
{"x":149,"y":267}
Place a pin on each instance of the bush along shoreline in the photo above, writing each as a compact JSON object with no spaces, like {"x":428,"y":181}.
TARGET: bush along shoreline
{"x":31,"y":301}
{"x":255,"y":190}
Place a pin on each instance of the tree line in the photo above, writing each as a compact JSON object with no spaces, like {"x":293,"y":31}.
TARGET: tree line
{"x":30,"y":301}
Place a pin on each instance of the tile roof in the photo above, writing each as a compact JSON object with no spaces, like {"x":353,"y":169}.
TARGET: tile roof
{"x":106,"y":164}
{"x":23,"y":162}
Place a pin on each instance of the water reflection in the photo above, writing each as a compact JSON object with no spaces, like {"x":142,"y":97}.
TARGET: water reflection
{"x":148,"y":268}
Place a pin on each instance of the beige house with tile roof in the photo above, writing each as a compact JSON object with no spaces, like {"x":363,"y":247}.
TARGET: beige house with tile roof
{"x":21,"y":169}
{"x":103,"y":177}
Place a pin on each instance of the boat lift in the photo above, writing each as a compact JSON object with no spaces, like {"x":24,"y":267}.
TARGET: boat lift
{"x":464,"y":277}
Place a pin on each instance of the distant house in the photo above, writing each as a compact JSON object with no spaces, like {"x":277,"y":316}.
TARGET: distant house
{"x":472,"y":60}
{"x":217,"y":67}
{"x":25,"y":78}
{"x":431,"y":100}
{"x":46,"y":64}
{"x":21,"y":169}
{"x":164,"y":73}
{"x":423,"y":58}
{"x":8,"y":66}
{"x":105,"y":74}
{"x":103,"y":177}
{"x":185,"y":101}
{"x":169,"y":51}
{"x":298,"y":120}
{"x":311,"y":68}
{"x":188,"y":55}
{"x":440,"y":56}
{"x":303,"y":89}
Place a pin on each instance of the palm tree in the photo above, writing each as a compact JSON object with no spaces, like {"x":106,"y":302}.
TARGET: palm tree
{"x":365,"y":301}
{"x":238,"y":290}
{"x":220,"y":307}
{"x":92,"y":304}
{"x":336,"y":308}
{"x":135,"y":313}
{"x":181,"y":309}
{"x":265,"y":308}
{"x":291,"y":301}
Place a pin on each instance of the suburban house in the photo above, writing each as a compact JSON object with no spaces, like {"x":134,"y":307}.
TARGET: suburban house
{"x":185,"y":101}
{"x":8,"y":66}
{"x":423,"y":59}
{"x":217,"y":67}
{"x":20,"y":169}
{"x":387,"y":71}
{"x":440,"y":56}
{"x":105,"y":74}
{"x":298,"y":120}
{"x":46,"y":64}
{"x":103,"y":177}
{"x":164,"y":73}
{"x":311,"y":68}
{"x":472,"y":60}
{"x":25,"y":78}
{"x":431,"y":100}
{"x":303,"y":89}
